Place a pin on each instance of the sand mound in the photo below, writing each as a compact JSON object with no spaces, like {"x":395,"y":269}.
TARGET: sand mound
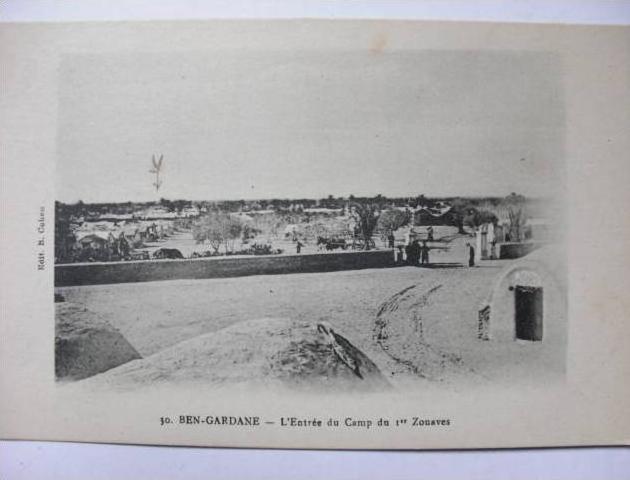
{"x":85,"y":344}
{"x":263,"y":352}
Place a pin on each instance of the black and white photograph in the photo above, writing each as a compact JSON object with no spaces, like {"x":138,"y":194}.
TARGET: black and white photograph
{"x":323,"y":222}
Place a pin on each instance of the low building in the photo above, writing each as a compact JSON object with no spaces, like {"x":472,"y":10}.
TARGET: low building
{"x":156,"y":213}
{"x":95,"y":241}
{"x":528,"y":301}
{"x":190,"y":212}
{"x":486,"y":242}
{"x":442,"y":215}
{"x":115,"y":217}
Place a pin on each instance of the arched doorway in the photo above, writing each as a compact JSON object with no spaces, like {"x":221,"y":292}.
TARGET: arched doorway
{"x":528,"y":312}
{"x":522,"y":297}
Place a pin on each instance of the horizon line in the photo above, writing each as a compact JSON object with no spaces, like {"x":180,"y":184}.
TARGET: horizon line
{"x":430,"y":197}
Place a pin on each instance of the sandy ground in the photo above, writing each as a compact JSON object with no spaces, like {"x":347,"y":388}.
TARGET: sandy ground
{"x":429,"y":337}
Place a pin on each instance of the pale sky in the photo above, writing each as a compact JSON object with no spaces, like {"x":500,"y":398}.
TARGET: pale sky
{"x":237,"y":125}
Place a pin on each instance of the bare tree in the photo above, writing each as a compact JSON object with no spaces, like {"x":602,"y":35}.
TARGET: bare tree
{"x":366,"y":217}
{"x":218,"y":228}
{"x":391,"y":220}
{"x":476,"y":218}
{"x":269,"y":224}
{"x":516,"y":219}
{"x":517,"y":215}
{"x":461,"y":209}
{"x":232,"y":229}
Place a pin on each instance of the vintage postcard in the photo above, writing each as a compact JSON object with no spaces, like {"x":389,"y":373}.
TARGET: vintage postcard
{"x":315,"y":234}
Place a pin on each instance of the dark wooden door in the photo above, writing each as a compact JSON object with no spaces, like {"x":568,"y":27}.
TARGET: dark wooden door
{"x":529,"y":313}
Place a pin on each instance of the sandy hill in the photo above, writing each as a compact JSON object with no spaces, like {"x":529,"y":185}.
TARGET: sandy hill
{"x":283,"y":352}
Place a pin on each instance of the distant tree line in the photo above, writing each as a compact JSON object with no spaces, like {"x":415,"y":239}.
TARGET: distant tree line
{"x":375,"y":214}
{"x":331,"y":202}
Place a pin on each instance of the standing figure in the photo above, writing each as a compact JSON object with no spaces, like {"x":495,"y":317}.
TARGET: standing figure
{"x":424,"y":254}
{"x":414,"y":253}
{"x":430,"y":234}
{"x":401,"y":257}
{"x":471,"y":255}
{"x":391,"y":239}
{"x":298,"y":246}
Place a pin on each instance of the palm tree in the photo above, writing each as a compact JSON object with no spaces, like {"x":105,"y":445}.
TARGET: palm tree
{"x":157,"y":168}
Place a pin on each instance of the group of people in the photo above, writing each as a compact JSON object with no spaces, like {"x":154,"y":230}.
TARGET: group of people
{"x":415,"y":253}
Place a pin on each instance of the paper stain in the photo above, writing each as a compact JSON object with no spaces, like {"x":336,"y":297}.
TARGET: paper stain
{"x":379,"y":42}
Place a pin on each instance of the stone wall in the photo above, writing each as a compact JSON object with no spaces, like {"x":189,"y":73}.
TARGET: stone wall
{"x":150,"y":270}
